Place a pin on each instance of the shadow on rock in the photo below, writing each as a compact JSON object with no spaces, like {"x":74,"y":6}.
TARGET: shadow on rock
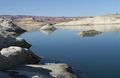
{"x":14,"y":56}
{"x":6,"y":41}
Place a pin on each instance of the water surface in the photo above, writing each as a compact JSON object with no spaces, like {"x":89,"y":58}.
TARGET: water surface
{"x":92,"y":57}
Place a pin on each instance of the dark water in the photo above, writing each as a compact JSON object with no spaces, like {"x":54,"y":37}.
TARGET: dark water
{"x":91,"y":57}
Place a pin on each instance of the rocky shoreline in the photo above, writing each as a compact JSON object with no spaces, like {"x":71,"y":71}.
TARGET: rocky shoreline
{"x":18,"y":61}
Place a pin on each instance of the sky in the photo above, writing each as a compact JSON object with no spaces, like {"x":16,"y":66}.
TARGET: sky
{"x":59,"y":7}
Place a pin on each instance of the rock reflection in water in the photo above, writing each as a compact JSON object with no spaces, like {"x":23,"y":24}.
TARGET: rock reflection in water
{"x":101,"y":28}
{"x":47,"y":32}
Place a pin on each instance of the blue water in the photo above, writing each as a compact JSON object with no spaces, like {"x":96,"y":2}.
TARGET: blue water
{"x":91,"y":57}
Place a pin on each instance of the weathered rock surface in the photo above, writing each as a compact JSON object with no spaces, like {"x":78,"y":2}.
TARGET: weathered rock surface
{"x":8,"y":25}
{"x":89,"y":33}
{"x":8,"y":33}
{"x":12,"y":56}
{"x":6,"y":41}
{"x":48,"y":27}
{"x":40,"y":71}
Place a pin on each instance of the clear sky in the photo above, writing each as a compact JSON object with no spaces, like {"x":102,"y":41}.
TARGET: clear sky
{"x":59,"y":7}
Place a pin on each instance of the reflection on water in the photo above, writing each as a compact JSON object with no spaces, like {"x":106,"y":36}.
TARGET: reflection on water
{"x":101,"y":28}
{"x":47,"y":32}
{"x":91,"y":57}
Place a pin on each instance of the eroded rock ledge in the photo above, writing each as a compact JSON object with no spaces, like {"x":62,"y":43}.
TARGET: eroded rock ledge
{"x":40,"y":71}
{"x":6,"y":41}
{"x":13,"y":60}
{"x":89,"y":33}
{"x":13,"y":56}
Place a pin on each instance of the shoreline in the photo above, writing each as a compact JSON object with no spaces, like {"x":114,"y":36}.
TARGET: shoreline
{"x":16,"y":58}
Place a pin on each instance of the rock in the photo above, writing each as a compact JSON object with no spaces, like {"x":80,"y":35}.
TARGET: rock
{"x":22,"y":43}
{"x":48,"y":27}
{"x":41,"y":71}
{"x":6,"y":41}
{"x":13,"y":56}
{"x":14,"y":34}
{"x":89,"y":33}
{"x":113,"y":19}
{"x":8,"y":25}
{"x":11,"y":34}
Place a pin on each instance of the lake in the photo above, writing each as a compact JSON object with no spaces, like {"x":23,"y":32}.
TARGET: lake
{"x":95,"y":56}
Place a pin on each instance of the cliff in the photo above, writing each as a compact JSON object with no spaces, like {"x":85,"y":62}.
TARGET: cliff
{"x":97,"y":20}
{"x":35,"y":22}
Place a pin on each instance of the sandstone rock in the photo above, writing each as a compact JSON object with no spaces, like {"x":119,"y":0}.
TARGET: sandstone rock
{"x":6,"y":41}
{"x":12,"y":56}
{"x":89,"y":33}
{"x":48,"y":27}
{"x":96,"y":20}
{"x":42,"y":71}
{"x":8,"y":25}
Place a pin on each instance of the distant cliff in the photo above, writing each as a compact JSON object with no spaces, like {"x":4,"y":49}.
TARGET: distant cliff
{"x":96,"y":20}
{"x":37,"y":20}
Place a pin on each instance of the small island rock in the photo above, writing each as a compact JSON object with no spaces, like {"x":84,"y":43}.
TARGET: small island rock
{"x":89,"y":33}
{"x":48,"y":27}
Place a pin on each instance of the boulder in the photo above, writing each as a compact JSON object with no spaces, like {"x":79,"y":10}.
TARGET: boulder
{"x":41,"y":71}
{"x":13,"y":56}
{"x":89,"y":33}
{"x":6,"y":41}
{"x":8,"y":25}
{"x":48,"y":27}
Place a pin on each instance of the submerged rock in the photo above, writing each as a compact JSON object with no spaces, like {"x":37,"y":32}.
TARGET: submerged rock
{"x":8,"y":25}
{"x":6,"y":41}
{"x":12,"y":56}
{"x":41,"y":71}
{"x":89,"y":33}
{"x":48,"y":27}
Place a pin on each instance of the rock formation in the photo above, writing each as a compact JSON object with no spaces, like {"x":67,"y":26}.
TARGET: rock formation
{"x":6,"y":41}
{"x":97,"y":20}
{"x":13,"y":56}
{"x":7,"y":27}
{"x":40,"y":71}
{"x":48,"y":27}
{"x":89,"y":33}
